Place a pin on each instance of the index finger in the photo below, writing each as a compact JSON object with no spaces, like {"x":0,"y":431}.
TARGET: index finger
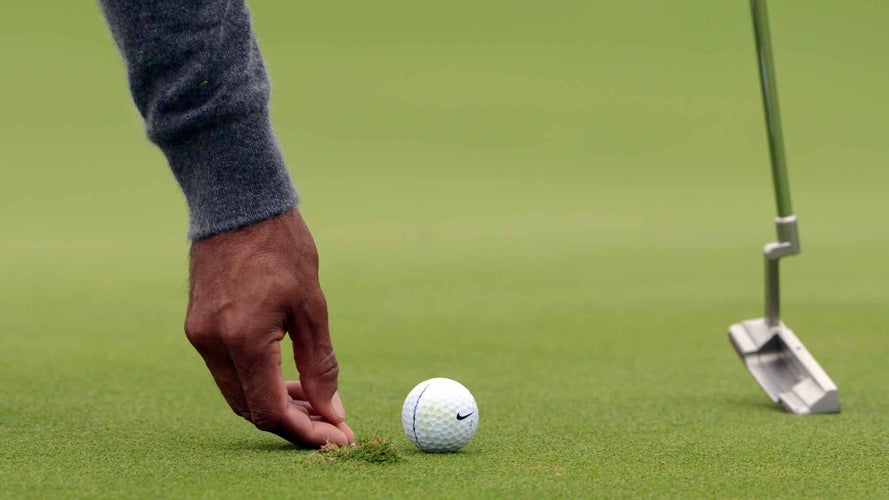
{"x":271,"y":409}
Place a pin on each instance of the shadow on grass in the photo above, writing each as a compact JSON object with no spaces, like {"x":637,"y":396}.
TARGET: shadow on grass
{"x":374,"y":450}
{"x":263,"y":445}
{"x":757,"y":404}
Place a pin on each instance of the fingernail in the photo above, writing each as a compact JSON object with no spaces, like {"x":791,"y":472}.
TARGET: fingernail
{"x":336,"y":404}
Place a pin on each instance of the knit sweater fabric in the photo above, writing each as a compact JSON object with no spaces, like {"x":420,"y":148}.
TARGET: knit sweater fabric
{"x":198,"y":79}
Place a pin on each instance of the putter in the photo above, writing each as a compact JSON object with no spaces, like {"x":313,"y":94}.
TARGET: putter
{"x":776,"y":358}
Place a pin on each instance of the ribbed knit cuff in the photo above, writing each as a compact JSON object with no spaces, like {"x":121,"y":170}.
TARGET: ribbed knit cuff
{"x":232,"y":174}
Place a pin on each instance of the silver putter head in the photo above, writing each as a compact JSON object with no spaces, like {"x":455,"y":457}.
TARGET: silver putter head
{"x":783,"y":367}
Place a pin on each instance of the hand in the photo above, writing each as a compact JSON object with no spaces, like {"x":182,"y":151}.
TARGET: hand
{"x":248,"y":288}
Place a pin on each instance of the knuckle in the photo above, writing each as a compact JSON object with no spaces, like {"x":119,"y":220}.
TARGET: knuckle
{"x":199,"y":329}
{"x":232,"y":335}
{"x":327,"y":368}
{"x":204,"y":329}
{"x":277,"y":287}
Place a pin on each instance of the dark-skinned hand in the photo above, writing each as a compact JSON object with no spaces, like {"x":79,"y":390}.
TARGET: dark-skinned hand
{"x":249,"y":288}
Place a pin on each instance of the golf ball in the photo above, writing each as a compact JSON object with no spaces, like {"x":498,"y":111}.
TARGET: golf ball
{"x":439,"y":415}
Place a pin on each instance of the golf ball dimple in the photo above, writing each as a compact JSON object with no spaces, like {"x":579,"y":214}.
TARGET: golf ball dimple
{"x":439,"y":415}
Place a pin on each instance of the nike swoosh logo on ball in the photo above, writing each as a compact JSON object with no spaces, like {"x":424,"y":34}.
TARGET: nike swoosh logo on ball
{"x":462,"y":417}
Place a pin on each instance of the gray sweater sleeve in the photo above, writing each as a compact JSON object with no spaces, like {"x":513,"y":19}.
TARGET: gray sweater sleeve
{"x":197,"y":77}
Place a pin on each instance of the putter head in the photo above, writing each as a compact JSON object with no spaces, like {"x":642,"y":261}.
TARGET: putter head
{"x":783,"y":367}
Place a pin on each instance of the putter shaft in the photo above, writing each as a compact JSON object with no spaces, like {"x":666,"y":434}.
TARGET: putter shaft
{"x":770,"y":104}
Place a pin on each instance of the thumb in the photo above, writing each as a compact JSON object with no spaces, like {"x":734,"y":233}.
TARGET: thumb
{"x":316,"y":362}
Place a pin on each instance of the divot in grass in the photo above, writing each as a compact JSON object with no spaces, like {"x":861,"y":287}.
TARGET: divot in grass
{"x":376,"y":450}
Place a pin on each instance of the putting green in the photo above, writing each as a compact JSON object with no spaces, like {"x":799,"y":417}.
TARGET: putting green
{"x":560,"y":206}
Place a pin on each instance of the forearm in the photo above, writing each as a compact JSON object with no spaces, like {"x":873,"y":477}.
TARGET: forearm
{"x":197,"y":77}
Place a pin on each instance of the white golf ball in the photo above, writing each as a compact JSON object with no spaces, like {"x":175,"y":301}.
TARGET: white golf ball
{"x":439,"y":415}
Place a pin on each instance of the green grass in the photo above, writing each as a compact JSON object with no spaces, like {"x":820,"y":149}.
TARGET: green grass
{"x":561,"y":207}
